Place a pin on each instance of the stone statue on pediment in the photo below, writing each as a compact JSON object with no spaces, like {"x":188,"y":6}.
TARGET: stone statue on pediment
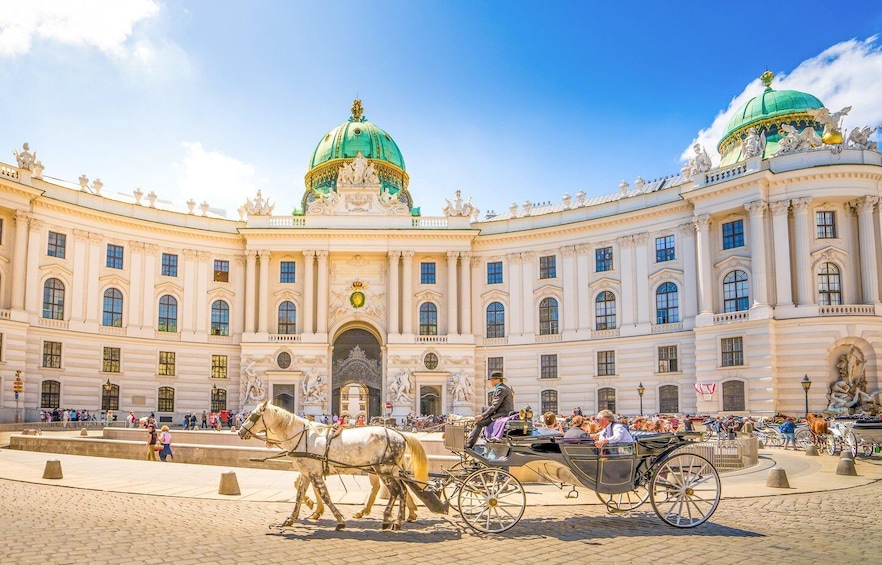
{"x":754,"y":144}
{"x":859,"y":138}
{"x":793,"y":141}
{"x":359,"y":172}
{"x":259,"y":206}
{"x":25,"y":158}
{"x":459,"y":208}
{"x":701,"y":163}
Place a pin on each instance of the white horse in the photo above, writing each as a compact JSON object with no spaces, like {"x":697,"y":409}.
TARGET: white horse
{"x":313,"y":446}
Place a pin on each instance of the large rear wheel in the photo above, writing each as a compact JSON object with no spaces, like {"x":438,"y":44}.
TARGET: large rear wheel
{"x":491,"y":500}
{"x":804,"y":438}
{"x":685,"y":490}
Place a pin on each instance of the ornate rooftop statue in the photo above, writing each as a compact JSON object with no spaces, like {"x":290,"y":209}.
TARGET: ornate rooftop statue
{"x":24,"y":158}
{"x":859,"y":138}
{"x":624,"y":187}
{"x":259,"y":206}
{"x":460,"y":208}
{"x":793,"y":141}
{"x":360,"y":172}
{"x":639,"y":183}
{"x":84,"y":182}
{"x":754,"y":144}
{"x":832,"y":124}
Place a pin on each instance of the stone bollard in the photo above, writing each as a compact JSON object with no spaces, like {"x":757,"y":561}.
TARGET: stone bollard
{"x":53,"y":470}
{"x":84,"y":432}
{"x":812,"y":451}
{"x":846,"y":467}
{"x":846,"y":454}
{"x":777,"y":478}
{"x":229,"y":484}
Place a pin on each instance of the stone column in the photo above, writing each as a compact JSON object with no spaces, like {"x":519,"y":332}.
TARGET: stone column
{"x":583,"y":275}
{"x":81,"y":268}
{"x":33,"y":288}
{"x":308,"y":314}
{"x":568,"y":278}
{"x":20,"y":259}
{"x":466,"y":300}
{"x":702,"y":240}
{"x":149,"y":304}
{"x":866,"y":234}
{"x":452,"y":302}
{"x":802,"y":235}
{"x":407,"y":293}
{"x":688,"y":294}
{"x":781,"y":231}
{"x":96,"y":261}
{"x":187,"y":308}
{"x":201,"y":307}
{"x":237,"y":319}
{"x":514,"y":284}
{"x":626,"y":263}
{"x":394,"y":258}
{"x":322,"y":291}
{"x":641,"y":277}
{"x":136,"y":288}
{"x":757,"y":211}
{"x":528,"y":312}
{"x":263,"y":295}
{"x":250,"y":289}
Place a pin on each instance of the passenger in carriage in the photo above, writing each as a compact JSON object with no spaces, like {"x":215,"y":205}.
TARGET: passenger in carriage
{"x":611,"y":432}
{"x":575,"y":431}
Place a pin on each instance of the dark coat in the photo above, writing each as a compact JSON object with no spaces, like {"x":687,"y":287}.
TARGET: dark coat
{"x":502,"y":405}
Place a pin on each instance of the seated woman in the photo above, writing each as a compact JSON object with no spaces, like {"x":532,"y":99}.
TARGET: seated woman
{"x":550,"y":421}
{"x":575,"y":431}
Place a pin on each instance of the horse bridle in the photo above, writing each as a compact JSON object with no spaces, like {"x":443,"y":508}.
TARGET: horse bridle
{"x":255,"y":417}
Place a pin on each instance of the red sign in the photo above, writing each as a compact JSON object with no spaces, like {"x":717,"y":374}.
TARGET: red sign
{"x":388,"y":406}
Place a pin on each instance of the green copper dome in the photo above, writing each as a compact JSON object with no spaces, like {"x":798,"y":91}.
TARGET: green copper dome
{"x":357,"y":134}
{"x":766,"y":113}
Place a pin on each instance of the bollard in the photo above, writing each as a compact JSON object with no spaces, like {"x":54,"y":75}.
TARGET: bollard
{"x":229,"y":484}
{"x":777,"y":478}
{"x":53,"y":470}
{"x":84,"y":432}
{"x":846,"y":467}
{"x":846,"y":454}
{"x":812,"y":451}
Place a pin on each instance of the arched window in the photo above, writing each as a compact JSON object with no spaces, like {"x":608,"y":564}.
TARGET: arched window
{"x":549,"y":401}
{"x":669,"y":399}
{"x":113,"y":308}
{"x":667,"y":304}
{"x":548,"y":316}
{"x":735,"y":292}
{"x":53,"y":299}
{"x":218,"y":399}
{"x":605,"y":311}
{"x":495,"y":320}
{"x":287,"y":318}
{"x":165,"y":399}
{"x":50,"y":394}
{"x":220,"y":318}
{"x":428,"y":319}
{"x":168,"y":314}
{"x":606,"y":399}
{"x":733,"y":396}
{"x":109,"y":397}
{"x":829,"y":285}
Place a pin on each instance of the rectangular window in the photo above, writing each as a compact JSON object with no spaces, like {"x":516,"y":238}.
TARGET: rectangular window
{"x":603,"y":259}
{"x":221,"y":271}
{"x":52,"y":354}
{"x":664,"y":249}
{"x":667,"y":359}
{"x":606,"y":363}
{"x":288,"y":270}
{"x":110,"y":362}
{"x":826,"y":225}
{"x":114,"y":256}
{"x":166,"y":363}
{"x":427,"y":273}
{"x":494,"y":272}
{"x":57,"y":245}
{"x":548,"y":267}
{"x":218,"y":366}
{"x":733,"y":234}
{"x":733,"y":351}
{"x":494,"y":364}
{"x":169,"y":265}
{"x":548,"y":367}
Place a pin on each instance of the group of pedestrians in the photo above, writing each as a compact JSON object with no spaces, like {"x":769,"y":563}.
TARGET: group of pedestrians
{"x":158,"y":443}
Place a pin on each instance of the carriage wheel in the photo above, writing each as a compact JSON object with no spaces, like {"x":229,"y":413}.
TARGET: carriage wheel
{"x":625,"y":501}
{"x":491,"y":500}
{"x":685,"y":490}
{"x":831,"y":444}
{"x":851,"y":442}
{"x":804,"y":439}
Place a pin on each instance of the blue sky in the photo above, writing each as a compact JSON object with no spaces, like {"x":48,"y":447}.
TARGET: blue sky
{"x":507,"y":101}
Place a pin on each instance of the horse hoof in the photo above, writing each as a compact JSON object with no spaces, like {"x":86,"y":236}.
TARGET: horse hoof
{"x":412,"y":518}
{"x":396,"y":527}
{"x":386,"y":526}
{"x":315,"y":516}
{"x":358,"y":515}
{"x":340,"y":527}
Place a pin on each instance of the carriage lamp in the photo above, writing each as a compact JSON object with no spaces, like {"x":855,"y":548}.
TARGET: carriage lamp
{"x":528,"y":412}
{"x":640,"y":391}
{"x":806,"y":385}
{"x":107,"y":386}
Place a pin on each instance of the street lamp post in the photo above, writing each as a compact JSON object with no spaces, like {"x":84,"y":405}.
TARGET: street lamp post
{"x":640,"y":391}
{"x":806,"y":385}
{"x":17,"y":387}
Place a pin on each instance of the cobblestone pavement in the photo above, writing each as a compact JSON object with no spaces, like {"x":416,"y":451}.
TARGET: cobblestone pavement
{"x":50,"y":524}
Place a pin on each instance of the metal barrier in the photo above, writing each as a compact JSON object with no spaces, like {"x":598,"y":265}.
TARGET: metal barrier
{"x":729,"y":454}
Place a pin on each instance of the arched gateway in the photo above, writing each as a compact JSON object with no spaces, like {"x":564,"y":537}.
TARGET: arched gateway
{"x":356,"y":374}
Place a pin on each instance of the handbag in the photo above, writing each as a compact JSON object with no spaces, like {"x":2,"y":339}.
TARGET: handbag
{"x":157,"y":447}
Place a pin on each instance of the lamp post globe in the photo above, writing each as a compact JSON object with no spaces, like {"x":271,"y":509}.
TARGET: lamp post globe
{"x":640,"y":391}
{"x":806,"y":385}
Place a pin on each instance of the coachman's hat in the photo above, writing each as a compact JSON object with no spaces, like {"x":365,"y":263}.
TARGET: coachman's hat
{"x":495,"y":375}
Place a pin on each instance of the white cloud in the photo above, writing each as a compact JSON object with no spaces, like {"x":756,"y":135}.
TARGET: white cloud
{"x":221,"y":180}
{"x":846,"y":74}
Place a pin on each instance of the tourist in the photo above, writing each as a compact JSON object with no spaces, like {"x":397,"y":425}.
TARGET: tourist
{"x":551,"y":422}
{"x":575,"y":430}
{"x":65,"y":418}
{"x":610,"y":431}
{"x":204,"y":419}
{"x":108,"y":418}
{"x":788,"y":430}
{"x":152,"y":441}
{"x":131,"y":421}
{"x":165,"y":440}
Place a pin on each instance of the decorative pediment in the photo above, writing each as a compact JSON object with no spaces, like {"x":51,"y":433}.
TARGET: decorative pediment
{"x":112,"y":280}
{"x":220,"y":294}
{"x":828,"y":206}
{"x":605,"y":283}
{"x":168,"y":288}
{"x":829,"y":254}
{"x":57,"y":270}
{"x":548,"y":289}
{"x":428,"y":295}
{"x":494,"y":295}
{"x":673,"y":275}
{"x":733,"y":262}
{"x":730,"y":218}
{"x":286,"y":294}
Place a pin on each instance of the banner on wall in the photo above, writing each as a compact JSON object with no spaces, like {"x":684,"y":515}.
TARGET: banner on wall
{"x":706,"y":389}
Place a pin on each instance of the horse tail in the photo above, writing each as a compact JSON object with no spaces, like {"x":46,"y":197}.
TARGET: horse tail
{"x":419,"y":462}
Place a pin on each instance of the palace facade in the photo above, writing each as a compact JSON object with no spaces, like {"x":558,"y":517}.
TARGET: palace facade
{"x":719,"y":289}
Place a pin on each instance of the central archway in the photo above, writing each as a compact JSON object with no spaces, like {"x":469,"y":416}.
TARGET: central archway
{"x":357,"y":362}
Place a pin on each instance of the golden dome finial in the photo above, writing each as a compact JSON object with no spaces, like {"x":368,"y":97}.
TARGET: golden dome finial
{"x":767,"y":77}
{"x":357,"y":110}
